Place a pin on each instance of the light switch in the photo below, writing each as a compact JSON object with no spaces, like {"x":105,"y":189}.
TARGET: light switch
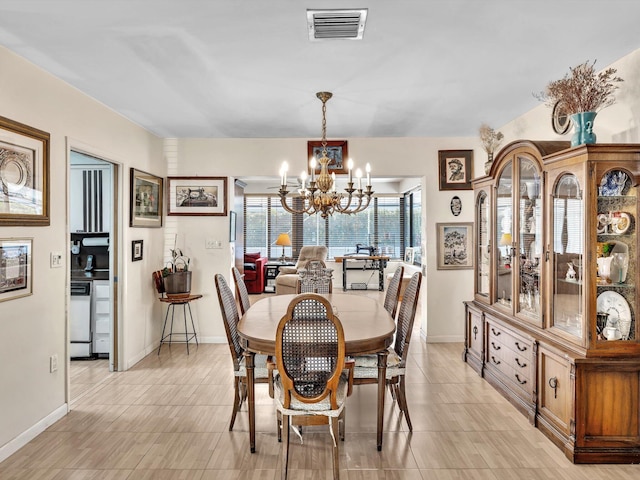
{"x":56,"y":260}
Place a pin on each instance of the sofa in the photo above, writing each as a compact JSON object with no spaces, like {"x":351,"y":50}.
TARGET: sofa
{"x":287,"y":279}
{"x":254,"y":265}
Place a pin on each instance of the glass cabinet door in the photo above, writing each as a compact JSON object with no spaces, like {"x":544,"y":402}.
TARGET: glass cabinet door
{"x":483,"y":253}
{"x":529,"y":238}
{"x":568,"y":255}
{"x":616,"y":258}
{"x":503,"y":240}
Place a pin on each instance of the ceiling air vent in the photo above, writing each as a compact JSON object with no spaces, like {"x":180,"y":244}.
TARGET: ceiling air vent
{"x":347,"y":24}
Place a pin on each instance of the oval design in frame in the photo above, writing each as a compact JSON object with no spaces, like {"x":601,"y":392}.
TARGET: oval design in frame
{"x":456,"y":206}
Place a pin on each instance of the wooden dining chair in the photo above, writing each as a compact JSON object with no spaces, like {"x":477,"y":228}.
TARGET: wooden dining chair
{"x":230,"y":317}
{"x":366,"y":366}
{"x":393,"y":292}
{"x":315,"y":278}
{"x":241,"y":291}
{"x":311,"y":386}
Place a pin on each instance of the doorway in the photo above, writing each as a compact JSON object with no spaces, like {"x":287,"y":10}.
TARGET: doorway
{"x":93,"y":348}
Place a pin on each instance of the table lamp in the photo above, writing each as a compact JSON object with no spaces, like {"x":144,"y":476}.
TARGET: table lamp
{"x":506,"y":241}
{"x":285,"y":241}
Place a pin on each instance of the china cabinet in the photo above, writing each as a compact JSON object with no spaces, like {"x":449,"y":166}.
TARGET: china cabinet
{"x":552,"y":324}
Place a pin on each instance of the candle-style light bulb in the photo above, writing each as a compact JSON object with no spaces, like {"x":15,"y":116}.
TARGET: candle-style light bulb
{"x":368,"y":168}
{"x":333,"y":181}
{"x":283,"y":170}
{"x":359,"y":177}
{"x":303,"y":180}
{"x":350,"y":167}
{"x":312,"y":164}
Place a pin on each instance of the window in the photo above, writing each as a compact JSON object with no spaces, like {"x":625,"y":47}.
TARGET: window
{"x":379,"y":225}
{"x":413,"y":223}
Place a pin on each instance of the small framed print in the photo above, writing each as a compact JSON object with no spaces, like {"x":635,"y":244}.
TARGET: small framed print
{"x":24,"y":175}
{"x":337,"y":151}
{"x":145,"y":201}
{"x":456,"y":169}
{"x":15,"y":268}
{"x":136,"y":250}
{"x":409,"y":255}
{"x":455,"y":246}
{"x":197,"y":196}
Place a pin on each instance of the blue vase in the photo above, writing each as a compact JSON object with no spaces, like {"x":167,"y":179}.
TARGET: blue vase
{"x":583,"y":133}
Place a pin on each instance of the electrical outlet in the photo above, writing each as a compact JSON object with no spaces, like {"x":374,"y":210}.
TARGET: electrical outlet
{"x":53,"y":363}
{"x":56,"y":259}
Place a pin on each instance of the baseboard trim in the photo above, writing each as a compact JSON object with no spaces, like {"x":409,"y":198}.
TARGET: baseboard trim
{"x":25,"y":437}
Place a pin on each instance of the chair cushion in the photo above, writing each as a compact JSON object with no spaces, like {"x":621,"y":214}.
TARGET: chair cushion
{"x":322,"y":407}
{"x":371,"y":360}
{"x":311,"y":252}
{"x":249,"y":266}
{"x":251,"y":257}
{"x":287,"y":270}
{"x":260,"y":367}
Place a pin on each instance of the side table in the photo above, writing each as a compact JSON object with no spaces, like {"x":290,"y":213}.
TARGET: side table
{"x":271,"y":271}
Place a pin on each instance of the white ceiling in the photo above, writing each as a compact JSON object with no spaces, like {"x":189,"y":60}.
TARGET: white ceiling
{"x":246,"y":68}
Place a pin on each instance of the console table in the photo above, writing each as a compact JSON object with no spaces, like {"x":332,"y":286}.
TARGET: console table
{"x":371,"y":262}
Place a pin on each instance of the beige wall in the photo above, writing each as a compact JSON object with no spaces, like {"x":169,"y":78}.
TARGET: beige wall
{"x":35,"y":327}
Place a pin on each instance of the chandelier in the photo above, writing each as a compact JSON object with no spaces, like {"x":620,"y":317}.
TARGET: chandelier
{"x":320,"y":195}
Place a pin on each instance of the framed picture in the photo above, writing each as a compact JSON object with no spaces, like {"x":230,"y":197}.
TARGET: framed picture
{"x":408,"y":255}
{"x":232,"y":226}
{"x":15,"y":268}
{"x":456,"y":169}
{"x":24,"y":174}
{"x":456,"y":206}
{"x":136,"y":250}
{"x":455,"y":246}
{"x":146,"y":199}
{"x":337,"y":151}
{"x":197,"y":195}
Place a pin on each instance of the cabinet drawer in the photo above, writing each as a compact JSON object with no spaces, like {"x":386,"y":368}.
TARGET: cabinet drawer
{"x":102,"y":325}
{"x":515,"y":343}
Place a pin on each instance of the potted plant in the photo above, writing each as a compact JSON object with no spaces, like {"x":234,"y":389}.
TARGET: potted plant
{"x":583,"y":93}
{"x":491,"y":140}
{"x":176,"y":274}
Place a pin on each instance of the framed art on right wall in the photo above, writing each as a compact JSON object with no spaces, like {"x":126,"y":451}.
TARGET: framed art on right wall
{"x":455,"y":169}
{"x":455,"y":246}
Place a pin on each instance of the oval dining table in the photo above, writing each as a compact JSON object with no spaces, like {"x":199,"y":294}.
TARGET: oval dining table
{"x":368,"y":328}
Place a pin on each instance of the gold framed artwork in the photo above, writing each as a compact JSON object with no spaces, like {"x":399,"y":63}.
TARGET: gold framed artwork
{"x":455,"y":169}
{"x":337,"y":151}
{"x":24,"y":174}
{"x":146,"y":199}
{"x":15,"y":268}
{"x":197,"y":196}
{"x":455,"y":246}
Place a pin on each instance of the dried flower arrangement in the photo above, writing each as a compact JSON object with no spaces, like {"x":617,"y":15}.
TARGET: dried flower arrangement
{"x":490,"y":138}
{"x":583,"y":90}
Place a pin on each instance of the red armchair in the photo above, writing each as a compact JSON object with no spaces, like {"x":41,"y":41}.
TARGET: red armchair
{"x":254,"y":272}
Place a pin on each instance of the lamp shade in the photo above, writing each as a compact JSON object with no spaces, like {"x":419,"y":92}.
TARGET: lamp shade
{"x":505,"y":239}
{"x":283,"y":240}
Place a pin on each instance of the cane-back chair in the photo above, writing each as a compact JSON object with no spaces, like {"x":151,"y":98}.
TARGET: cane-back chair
{"x":230,"y":317}
{"x":241,"y":291}
{"x":311,"y":385}
{"x":366,"y":366}
{"x":393,"y":292}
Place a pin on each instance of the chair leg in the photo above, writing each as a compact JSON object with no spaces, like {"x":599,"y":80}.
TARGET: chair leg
{"x":402,"y":396}
{"x":279,"y":427}
{"x":237,"y":401}
{"x":336,"y":453}
{"x":342,"y":421}
{"x":285,"y":446}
